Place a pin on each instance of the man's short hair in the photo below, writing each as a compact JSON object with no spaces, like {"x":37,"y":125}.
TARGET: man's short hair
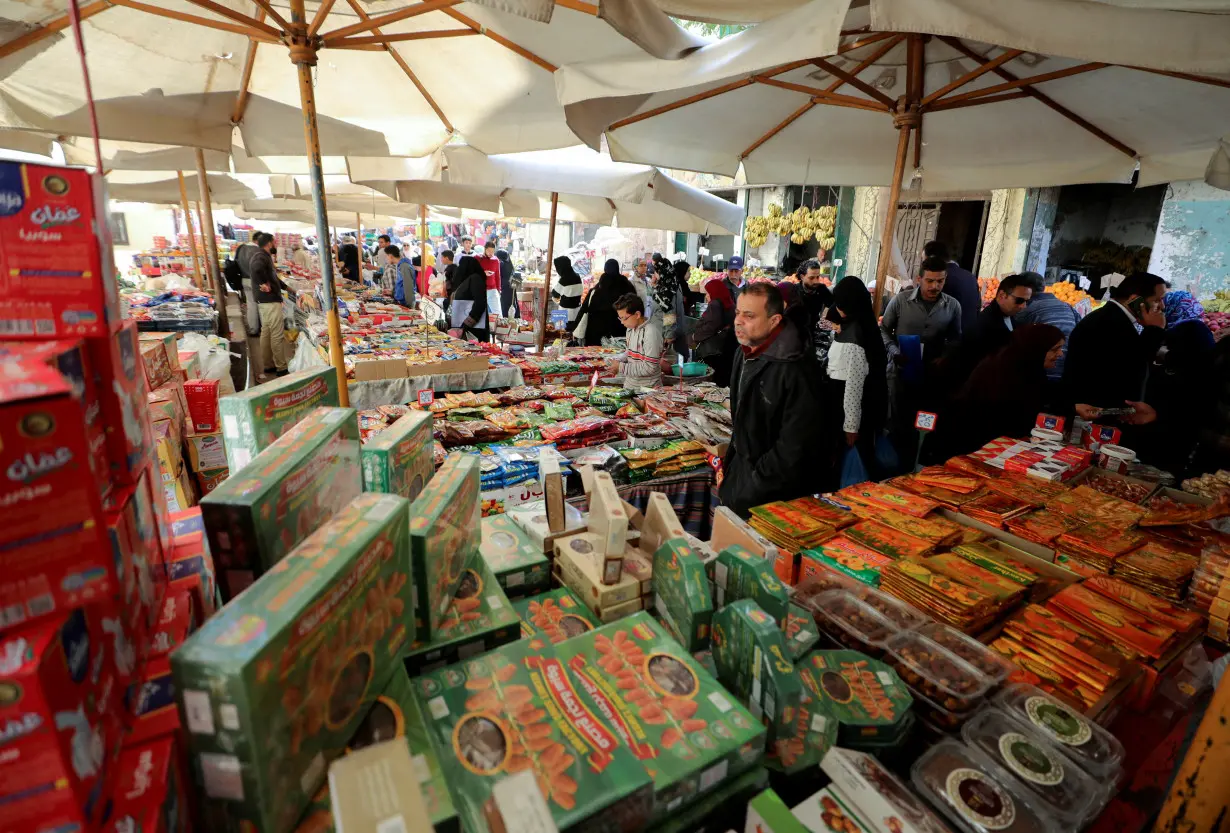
{"x":447,"y":253}
{"x":393,"y":251}
{"x":936,"y":248}
{"x":1033,"y":280}
{"x":933,"y":264}
{"x":1012,"y":282}
{"x":1142,"y":284}
{"x":387,"y":240}
{"x":807,"y":265}
{"x":466,"y":237}
{"x":261,"y":238}
{"x":630,"y":303}
{"x":773,"y":303}
{"x":490,"y":244}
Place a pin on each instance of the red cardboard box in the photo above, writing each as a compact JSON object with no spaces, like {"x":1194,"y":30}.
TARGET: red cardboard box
{"x":152,"y":712}
{"x":121,"y":389}
{"x":69,"y":358}
{"x":57,"y":277}
{"x":149,"y":790}
{"x":156,"y":364}
{"x":136,"y":560}
{"x":52,"y":527}
{"x":176,"y":622}
{"x":191,"y":568}
{"x":57,"y":722}
{"x":202,"y":396}
{"x":187,"y":521}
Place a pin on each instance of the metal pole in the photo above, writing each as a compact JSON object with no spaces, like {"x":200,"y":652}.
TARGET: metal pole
{"x":196,"y":258}
{"x":546,"y":287}
{"x":303,"y":56}
{"x":213,"y":281}
{"x":423,"y":240}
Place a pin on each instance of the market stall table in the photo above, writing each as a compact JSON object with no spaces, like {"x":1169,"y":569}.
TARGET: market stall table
{"x":693,"y":495}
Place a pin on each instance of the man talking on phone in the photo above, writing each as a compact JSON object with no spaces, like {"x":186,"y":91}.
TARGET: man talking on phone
{"x":1109,"y":352}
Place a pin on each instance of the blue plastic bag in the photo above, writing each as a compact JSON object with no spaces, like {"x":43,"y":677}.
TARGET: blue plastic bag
{"x":886,"y":455}
{"x":852,"y":469}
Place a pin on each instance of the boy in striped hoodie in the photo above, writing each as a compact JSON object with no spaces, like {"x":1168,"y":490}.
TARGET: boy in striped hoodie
{"x":640,"y":364}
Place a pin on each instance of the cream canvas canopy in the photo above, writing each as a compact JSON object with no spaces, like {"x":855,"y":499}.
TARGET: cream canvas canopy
{"x":590,"y":187}
{"x":958,"y":94}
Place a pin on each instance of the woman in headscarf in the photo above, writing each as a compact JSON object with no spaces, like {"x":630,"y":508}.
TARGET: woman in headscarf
{"x":668,"y":303}
{"x":1004,"y":394}
{"x":713,"y":341}
{"x":507,"y":296}
{"x":856,"y":397}
{"x":567,"y":289}
{"x":470,"y":284}
{"x":1181,"y":306}
{"x":598,"y":309}
{"x":1182,"y":387}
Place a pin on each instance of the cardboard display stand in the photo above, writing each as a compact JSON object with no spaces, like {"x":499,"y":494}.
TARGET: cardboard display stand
{"x":730,"y":530}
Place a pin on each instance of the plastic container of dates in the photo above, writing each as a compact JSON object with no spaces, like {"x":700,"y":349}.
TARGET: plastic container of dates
{"x":1067,"y":792}
{"x":939,"y":717}
{"x":896,"y":611}
{"x":990,"y":663}
{"x":852,"y":622}
{"x":975,"y":793}
{"x":938,"y":674}
{"x":1086,"y":742}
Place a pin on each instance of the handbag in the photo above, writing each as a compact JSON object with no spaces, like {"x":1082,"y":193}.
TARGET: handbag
{"x":578,"y":332}
{"x":714,"y":345}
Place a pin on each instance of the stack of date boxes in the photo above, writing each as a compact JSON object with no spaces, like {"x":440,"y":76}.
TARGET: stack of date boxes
{"x":85,"y":532}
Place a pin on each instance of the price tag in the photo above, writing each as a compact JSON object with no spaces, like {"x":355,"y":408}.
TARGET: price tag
{"x":426,"y":397}
{"x":925,"y":421}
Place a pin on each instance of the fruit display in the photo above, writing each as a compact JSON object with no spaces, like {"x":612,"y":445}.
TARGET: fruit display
{"x":1218,"y":322}
{"x":800,"y":225}
{"x":1069,"y":293}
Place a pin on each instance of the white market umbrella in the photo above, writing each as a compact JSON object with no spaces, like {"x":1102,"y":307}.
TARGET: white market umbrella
{"x":1136,"y":89}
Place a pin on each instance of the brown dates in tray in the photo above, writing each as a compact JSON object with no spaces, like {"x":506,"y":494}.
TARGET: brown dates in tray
{"x":938,"y":674}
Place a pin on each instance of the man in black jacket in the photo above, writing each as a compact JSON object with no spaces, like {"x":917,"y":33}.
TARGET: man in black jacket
{"x":269,"y":301}
{"x":959,"y":284}
{"x":1108,"y":357}
{"x":774,"y":406}
{"x":992,"y":327}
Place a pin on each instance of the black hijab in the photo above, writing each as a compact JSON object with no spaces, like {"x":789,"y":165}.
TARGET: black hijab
{"x":506,"y":267}
{"x":567,"y":275}
{"x":858,"y":326}
{"x":612,"y":286}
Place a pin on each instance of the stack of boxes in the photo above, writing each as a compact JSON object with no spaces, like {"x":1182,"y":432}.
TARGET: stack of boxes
{"x":85,"y":532}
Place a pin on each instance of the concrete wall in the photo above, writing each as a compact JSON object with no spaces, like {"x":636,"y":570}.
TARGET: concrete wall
{"x":144,"y":222}
{"x":1117,"y":213}
{"x":1192,"y":247}
{"x":1002,"y":239}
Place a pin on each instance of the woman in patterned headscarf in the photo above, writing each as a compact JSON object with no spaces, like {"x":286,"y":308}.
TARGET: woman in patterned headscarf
{"x":1181,"y":306}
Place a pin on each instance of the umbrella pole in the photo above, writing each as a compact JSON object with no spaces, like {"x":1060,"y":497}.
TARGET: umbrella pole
{"x":209,"y":244}
{"x":890,"y":217}
{"x":196,"y":258}
{"x":358,"y":239}
{"x":546,"y":285}
{"x":303,"y":56}
{"x":423,"y":260}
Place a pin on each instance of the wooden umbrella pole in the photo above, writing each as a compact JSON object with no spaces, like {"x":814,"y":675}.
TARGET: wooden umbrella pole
{"x":546,"y":286}
{"x":890,"y":218}
{"x":196,"y":258}
{"x":1199,"y":797}
{"x":303,"y":56}
{"x":423,"y":259}
{"x":209,"y":245}
{"x":358,"y":240}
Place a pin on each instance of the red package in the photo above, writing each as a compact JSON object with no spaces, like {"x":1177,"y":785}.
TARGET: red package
{"x":1021,"y":462}
{"x":69,"y":358}
{"x":52,"y":529}
{"x":148,"y":793}
{"x":135,"y":563}
{"x":176,"y":622}
{"x":156,"y":364}
{"x":191,"y":568}
{"x":151,"y":703}
{"x":121,"y":390}
{"x":1050,"y":422}
{"x":202,"y":397}
{"x":57,"y":723}
{"x":57,"y":279}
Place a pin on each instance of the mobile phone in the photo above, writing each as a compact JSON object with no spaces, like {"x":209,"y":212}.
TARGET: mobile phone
{"x":1137,"y":306}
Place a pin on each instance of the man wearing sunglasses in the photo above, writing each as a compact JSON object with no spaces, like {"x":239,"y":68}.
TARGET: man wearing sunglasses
{"x":994,"y":325}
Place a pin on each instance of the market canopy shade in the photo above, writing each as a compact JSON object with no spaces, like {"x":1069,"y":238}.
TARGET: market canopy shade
{"x":181,"y":73}
{"x":979,"y":84}
{"x":224,"y":190}
{"x":590,"y":188}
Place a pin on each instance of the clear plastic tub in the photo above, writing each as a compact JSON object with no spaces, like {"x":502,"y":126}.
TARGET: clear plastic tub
{"x":940,"y":675}
{"x":822,"y":580}
{"x":975,"y":793}
{"x":938,"y":716}
{"x":1068,"y":793}
{"x":990,"y":663}
{"x":1089,"y":744}
{"x":852,"y":622}
{"x":902,"y":615}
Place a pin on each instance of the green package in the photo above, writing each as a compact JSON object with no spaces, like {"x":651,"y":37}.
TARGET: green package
{"x":252,"y":419}
{"x":256,"y":516}
{"x":395,"y":713}
{"x":520,"y":567}
{"x":479,"y":618}
{"x":444,"y":537}
{"x":815,"y":734}
{"x":673,"y":715}
{"x":767,"y":813}
{"x":273,"y":686}
{"x":738,"y":574}
{"x":399,"y":460}
{"x":554,"y":616}
{"x":681,"y":593}
{"x":802,"y":635}
{"x":753,"y":661}
{"x":518,"y":709}
{"x":868,"y":699}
